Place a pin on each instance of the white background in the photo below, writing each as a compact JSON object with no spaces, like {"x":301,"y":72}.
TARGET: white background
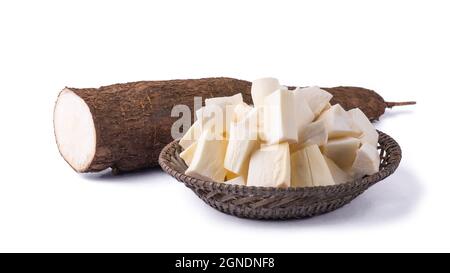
{"x":399,"y":48}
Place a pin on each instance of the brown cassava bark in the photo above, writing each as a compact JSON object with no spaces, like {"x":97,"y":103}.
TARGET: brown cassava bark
{"x":370,"y":102}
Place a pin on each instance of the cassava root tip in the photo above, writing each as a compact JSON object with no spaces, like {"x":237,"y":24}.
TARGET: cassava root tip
{"x":403,"y":103}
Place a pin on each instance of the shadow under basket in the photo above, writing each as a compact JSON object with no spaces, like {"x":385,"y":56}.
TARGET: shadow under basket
{"x":277,"y":203}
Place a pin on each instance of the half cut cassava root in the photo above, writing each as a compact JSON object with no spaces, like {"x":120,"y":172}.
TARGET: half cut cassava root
{"x":125,"y":126}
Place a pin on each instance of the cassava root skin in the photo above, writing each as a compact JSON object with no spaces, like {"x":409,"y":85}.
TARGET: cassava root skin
{"x":133,"y":120}
{"x":370,"y":102}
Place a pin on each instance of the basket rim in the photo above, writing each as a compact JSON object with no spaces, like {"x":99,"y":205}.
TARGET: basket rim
{"x":386,"y":142}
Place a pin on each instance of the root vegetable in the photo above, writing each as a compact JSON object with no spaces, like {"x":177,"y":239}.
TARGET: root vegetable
{"x":367,"y":161}
{"x":342,"y":151}
{"x":242,"y":141}
{"x":303,"y":114}
{"x":316,"y":97}
{"x":270,"y":167}
{"x":338,"y":123}
{"x":309,"y":168}
{"x":301,"y":175}
{"x":208,"y":158}
{"x":188,"y":154}
{"x":261,"y":88}
{"x":339,"y":176}
{"x":369,"y":133}
{"x":125,"y":126}
{"x":279,"y":112}
{"x":240,"y":111}
{"x":314,"y":133}
{"x":321,"y":174}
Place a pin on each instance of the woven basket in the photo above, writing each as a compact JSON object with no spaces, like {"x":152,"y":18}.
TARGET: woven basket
{"x":276,"y":203}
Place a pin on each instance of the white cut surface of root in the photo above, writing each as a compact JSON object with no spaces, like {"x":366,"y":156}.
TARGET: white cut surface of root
{"x":74,"y":130}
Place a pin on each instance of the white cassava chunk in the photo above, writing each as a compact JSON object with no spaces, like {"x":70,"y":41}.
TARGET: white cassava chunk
{"x":191,"y":135}
{"x":303,"y":112}
{"x":270,"y":167}
{"x":367,"y":161}
{"x":236,"y":181}
{"x":279,"y":113}
{"x":199,"y":115}
{"x":321,"y":175}
{"x":328,"y":106}
{"x":317,"y":98}
{"x":261,"y":125}
{"x":309,"y":168}
{"x":188,"y":153}
{"x":342,"y":151}
{"x":242,"y":141}
{"x":338,"y":122}
{"x":314,"y":133}
{"x":240,"y":111}
{"x":262,"y":88}
{"x":300,"y":171}
{"x":222,"y":110}
{"x":339,"y":176}
{"x":224,"y":101}
{"x":361,"y":122}
{"x":208,"y":159}
{"x":195,"y":131}
{"x":202,"y":122}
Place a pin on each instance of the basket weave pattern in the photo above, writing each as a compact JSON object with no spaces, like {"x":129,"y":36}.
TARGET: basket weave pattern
{"x":277,"y":203}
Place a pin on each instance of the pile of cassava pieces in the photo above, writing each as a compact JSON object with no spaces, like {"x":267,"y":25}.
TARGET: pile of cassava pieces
{"x":286,"y":139}
{"x":125,"y":126}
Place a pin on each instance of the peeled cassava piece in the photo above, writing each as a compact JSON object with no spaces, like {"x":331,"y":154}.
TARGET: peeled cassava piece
{"x":303,"y":112}
{"x":338,"y":122}
{"x":205,"y":120}
{"x":339,"y":176}
{"x":321,"y":174}
{"x":300,"y":171}
{"x":279,"y":109}
{"x":221,"y":108}
{"x":192,"y":134}
{"x":342,"y":151}
{"x":316,"y":98}
{"x":240,"y":111}
{"x":309,"y":168}
{"x":208,"y":159}
{"x":188,"y":154}
{"x":367,"y":161}
{"x":362,"y":123}
{"x":242,"y":141}
{"x":125,"y":126}
{"x":261,"y":88}
{"x":270,"y":167}
{"x":314,"y":133}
